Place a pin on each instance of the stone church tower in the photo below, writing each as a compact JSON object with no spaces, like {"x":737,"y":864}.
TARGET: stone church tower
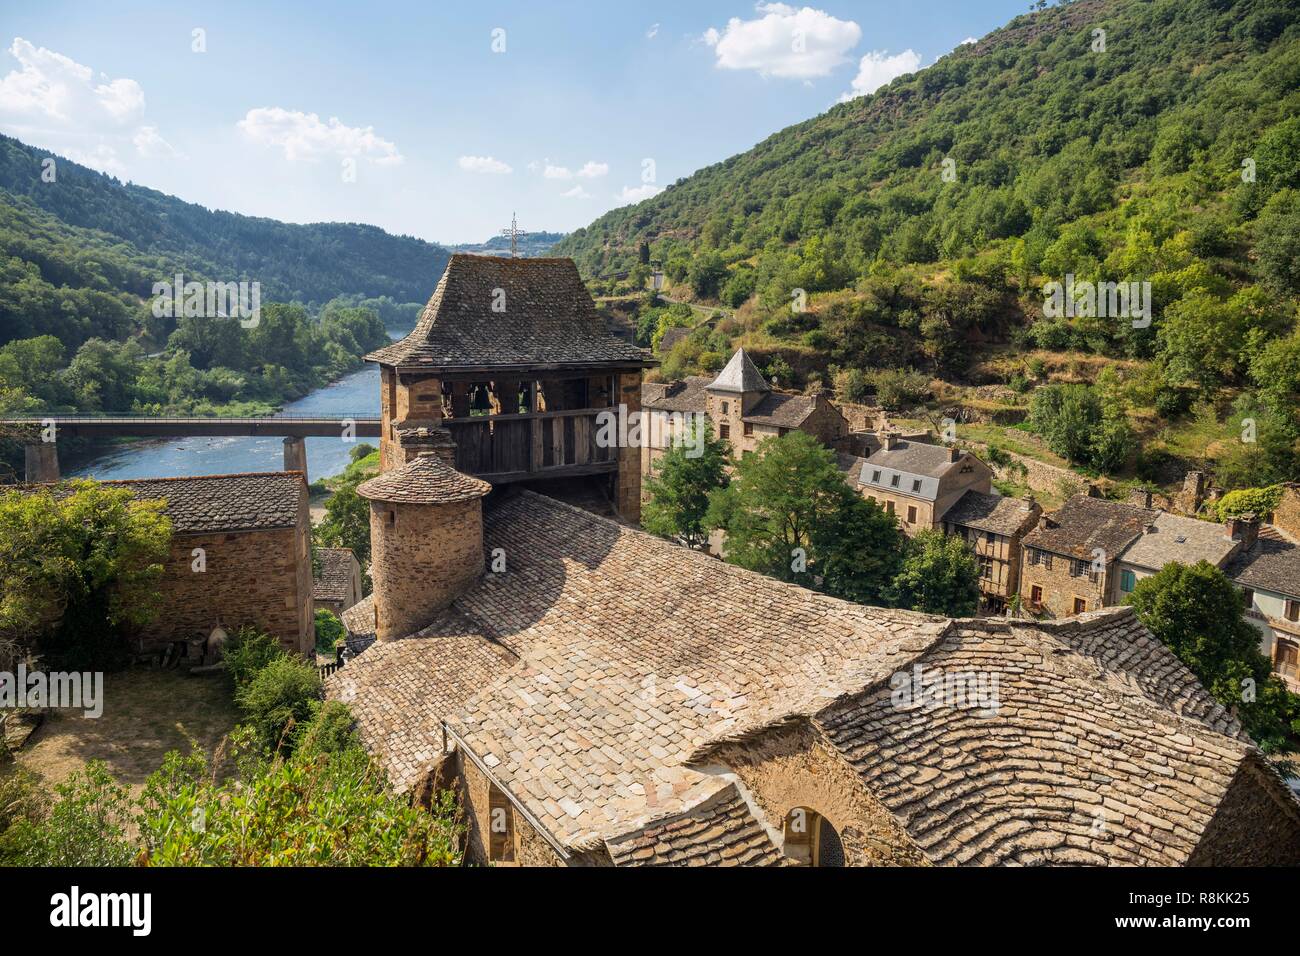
{"x":426,"y":541}
{"x":733,"y":394}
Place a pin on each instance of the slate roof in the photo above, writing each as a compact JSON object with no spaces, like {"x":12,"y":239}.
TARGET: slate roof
{"x":740,"y":375}
{"x":595,"y":679}
{"x":1185,"y":540}
{"x":260,"y":501}
{"x":914,"y":458}
{"x":423,"y":480}
{"x":1271,"y":565}
{"x":1104,"y":748}
{"x":718,"y":831}
{"x":685,"y":396}
{"x":549,"y":318}
{"x":782,"y":409}
{"x":335,"y":575}
{"x":984,"y":512}
{"x":359,"y":620}
{"x":1083,"y":524}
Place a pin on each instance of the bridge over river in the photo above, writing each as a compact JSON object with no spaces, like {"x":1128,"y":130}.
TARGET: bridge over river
{"x":41,"y":433}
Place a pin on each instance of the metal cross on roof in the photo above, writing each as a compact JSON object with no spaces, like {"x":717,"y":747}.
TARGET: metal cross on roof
{"x":514,"y":234}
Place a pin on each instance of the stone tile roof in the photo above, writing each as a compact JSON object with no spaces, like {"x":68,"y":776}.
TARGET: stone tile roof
{"x":996,"y":513}
{"x":1272,"y":564}
{"x":359,"y":620}
{"x":1185,"y":540}
{"x":1083,"y":524}
{"x":684,"y":396}
{"x":335,"y":575}
{"x":718,"y":831}
{"x":740,"y":375}
{"x":423,"y":480}
{"x":1104,"y":748}
{"x":782,"y":409}
{"x":549,"y":319}
{"x":595,"y":678}
{"x":249,"y":502}
{"x":424,"y":678}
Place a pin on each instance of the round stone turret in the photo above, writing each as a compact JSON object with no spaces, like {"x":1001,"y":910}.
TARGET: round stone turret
{"x":426,"y":542}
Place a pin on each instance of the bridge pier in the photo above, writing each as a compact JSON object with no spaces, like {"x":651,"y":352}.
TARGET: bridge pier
{"x":42,"y":461}
{"x":295,"y":456}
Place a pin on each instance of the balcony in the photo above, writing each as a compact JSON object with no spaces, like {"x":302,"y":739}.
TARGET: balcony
{"x":506,"y":448}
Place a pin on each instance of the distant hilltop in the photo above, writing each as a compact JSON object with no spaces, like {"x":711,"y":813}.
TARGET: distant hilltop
{"x":530,"y":245}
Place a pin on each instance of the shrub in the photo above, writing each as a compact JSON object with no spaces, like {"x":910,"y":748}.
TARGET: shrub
{"x":85,"y":826}
{"x":331,"y":730}
{"x":329,"y":629}
{"x":279,"y":697}
{"x":248,"y":652}
{"x":1260,"y":502}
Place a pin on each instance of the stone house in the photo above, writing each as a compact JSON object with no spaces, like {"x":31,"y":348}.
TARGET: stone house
{"x":918,"y":482}
{"x":337,"y":584}
{"x":511,"y":368}
{"x":1269,"y":576}
{"x":1172,"y":538}
{"x":742,"y":407}
{"x":250,"y":536}
{"x":1069,"y":560}
{"x":994,"y":527}
{"x":597,"y":696}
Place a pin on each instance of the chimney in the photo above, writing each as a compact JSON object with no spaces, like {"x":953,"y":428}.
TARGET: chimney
{"x":1243,"y":528}
{"x":954,"y":453}
{"x":889,"y":441}
{"x":1140,"y":497}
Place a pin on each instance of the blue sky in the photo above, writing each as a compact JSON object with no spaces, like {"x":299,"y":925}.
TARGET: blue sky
{"x":420,"y":118}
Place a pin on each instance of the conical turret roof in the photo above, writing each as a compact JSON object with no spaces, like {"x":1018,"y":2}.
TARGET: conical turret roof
{"x":426,"y":480}
{"x":740,"y":375}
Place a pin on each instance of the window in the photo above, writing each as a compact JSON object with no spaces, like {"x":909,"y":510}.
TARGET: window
{"x":1035,"y":595}
{"x":893,"y":481}
{"x":1047,"y":560}
{"x":1127,"y":580}
{"x":1080,"y":567}
{"x":889,"y":507}
{"x":911,"y":514}
{"x":875,"y":476}
{"x":916,"y":484}
{"x":724,"y":431}
{"x":725,"y":408}
{"x":392,"y":519}
{"x":749,"y":428}
{"x":1286,"y":659}
{"x":1080,"y":605}
{"x":990,"y":538}
{"x":1292,"y":611}
{"x":811,"y":840}
{"x":501,"y":827}
{"x":986,"y":568}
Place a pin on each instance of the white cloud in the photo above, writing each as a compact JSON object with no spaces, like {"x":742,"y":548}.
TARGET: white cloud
{"x":631,"y":194}
{"x":303,"y":136}
{"x":877,"y":68}
{"x":51,"y":86}
{"x":592,"y":169}
{"x":652,"y":32}
{"x":557,"y":172}
{"x":484,"y":164}
{"x":784,"y":42}
{"x":103,"y":158}
{"x":577,"y":192}
{"x":968,"y":40}
{"x":150,"y":144}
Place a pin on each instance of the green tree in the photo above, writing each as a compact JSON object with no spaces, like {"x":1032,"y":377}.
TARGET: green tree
{"x":789,"y":513}
{"x":346,"y":523}
{"x":1197,"y":612}
{"x":681,"y":483}
{"x":939,"y":575}
{"x":279,"y":700}
{"x":81,"y":567}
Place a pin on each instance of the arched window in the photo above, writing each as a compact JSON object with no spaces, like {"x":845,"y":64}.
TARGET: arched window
{"x":811,"y":840}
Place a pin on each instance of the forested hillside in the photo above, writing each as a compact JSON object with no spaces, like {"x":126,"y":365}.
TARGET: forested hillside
{"x":304,"y":263}
{"x":1107,"y":140}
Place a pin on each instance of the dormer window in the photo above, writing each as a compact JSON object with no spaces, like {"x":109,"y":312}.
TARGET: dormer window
{"x":893,"y":481}
{"x":875,"y":477}
{"x":916,"y":484}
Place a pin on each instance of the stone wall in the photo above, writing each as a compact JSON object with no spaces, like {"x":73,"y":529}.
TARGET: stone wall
{"x":793,"y":767}
{"x":627,"y":499}
{"x":258,"y":578}
{"x":1287,"y":513}
{"x":1038,"y":476}
{"x":1060,"y":588}
{"x":422,"y":558}
{"x":1254,"y":826}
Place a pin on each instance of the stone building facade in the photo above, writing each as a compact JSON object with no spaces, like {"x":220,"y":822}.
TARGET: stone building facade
{"x":337,"y":584}
{"x":250,"y":536}
{"x":994,"y":528}
{"x":916,"y":481}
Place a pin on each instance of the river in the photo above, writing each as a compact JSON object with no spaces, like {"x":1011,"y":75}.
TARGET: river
{"x":355,"y":394}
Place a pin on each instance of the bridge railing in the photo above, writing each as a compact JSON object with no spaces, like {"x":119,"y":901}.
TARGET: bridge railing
{"x":369,"y":416}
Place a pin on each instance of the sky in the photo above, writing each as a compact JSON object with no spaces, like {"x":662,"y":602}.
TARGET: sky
{"x":439,"y":119}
